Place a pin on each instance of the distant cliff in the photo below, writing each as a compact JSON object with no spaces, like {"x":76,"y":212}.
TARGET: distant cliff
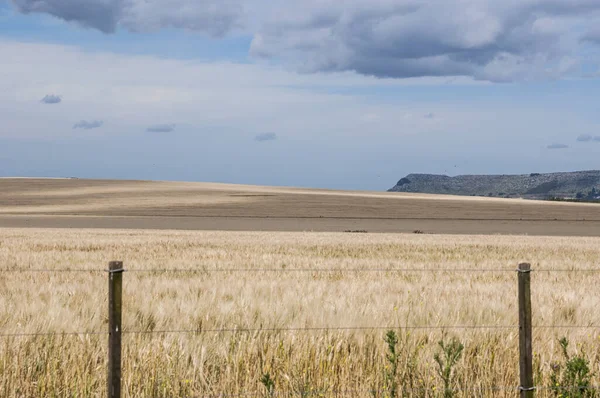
{"x":584,"y":185}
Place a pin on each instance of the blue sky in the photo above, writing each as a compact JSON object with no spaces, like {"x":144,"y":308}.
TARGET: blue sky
{"x":349,"y":95}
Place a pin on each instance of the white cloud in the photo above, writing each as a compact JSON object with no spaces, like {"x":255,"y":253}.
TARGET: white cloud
{"x":209,"y":99}
{"x":334,"y":119}
{"x":489,"y":40}
{"x":215,"y":17}
{"x":132,"y":92}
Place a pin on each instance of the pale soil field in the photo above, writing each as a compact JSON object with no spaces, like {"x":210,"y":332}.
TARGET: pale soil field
{"x":270,"y":292}
{"x":73,"y":203}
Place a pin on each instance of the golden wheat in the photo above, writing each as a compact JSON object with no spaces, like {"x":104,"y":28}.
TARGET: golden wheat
{"x":267,"y":295}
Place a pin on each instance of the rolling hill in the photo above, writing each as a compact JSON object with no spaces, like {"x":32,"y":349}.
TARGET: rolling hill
{"x":579,"y":184}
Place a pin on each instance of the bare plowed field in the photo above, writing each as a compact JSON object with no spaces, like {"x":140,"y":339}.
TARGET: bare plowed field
{"x":73,"y":203}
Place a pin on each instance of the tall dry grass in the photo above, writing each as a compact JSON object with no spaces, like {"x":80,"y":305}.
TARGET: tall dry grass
{"x":300,"y":363}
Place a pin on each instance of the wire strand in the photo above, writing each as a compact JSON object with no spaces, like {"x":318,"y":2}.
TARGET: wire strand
{"x":49,"y":334}
{"x":16,"y":271}
{"x":301,"y":329}
{"x":351,"y":328}
{"x":358,"y":270}
{"x":311,"y":329}
{"x":297,"y":270}
{"x":353,"y":270}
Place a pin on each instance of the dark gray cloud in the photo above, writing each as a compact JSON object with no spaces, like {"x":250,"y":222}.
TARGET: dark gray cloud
{"x":489,"y":40}
{"x":51,"y":99}
{"x":99,"y":14}
{"x":161,"y":128}
{"x":557,"y":146}
{"x":588,"y":138}
{"x":592,"y":36}
{"x":94,"y":124}
{"x":494,"y":40}
{"x":265,"y":137}
{"x":214,"y":17}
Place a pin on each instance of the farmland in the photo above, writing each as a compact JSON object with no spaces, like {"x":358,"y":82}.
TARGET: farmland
{"x":72,"y":203}
{"x":209,"y":313}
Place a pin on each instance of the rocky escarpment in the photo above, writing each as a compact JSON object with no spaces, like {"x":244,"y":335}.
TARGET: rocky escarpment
{"x":583,"y":185}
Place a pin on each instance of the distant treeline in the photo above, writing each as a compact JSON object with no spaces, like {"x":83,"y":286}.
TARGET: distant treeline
{"x":593,"y":196}
{"x":557,"y":199}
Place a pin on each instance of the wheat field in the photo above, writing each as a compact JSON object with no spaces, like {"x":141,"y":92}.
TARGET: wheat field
{"x":206,"y":295}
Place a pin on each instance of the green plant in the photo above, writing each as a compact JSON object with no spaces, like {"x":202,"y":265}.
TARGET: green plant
{"x":391,"y":370}
{"x":269,"y":384}
{"x":573,"y":378}
{"x":450,"y":354}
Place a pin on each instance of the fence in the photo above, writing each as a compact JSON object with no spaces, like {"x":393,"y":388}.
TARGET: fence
{"x":526,"y":387}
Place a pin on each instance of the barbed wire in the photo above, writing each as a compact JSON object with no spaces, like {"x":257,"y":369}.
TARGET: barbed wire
{"x":313,"y":329}
{"x":35,"y":270}
{"x":198,"y":331}
{"x":300,"y":270}
{"x":283,"y":270}
{"x":565,"y":327}
{"x":301,"y":329}
{"x":566,"y":270}
{"x":51,"y":334}
{"x":353,"y":328}
{"x":350,"y":270}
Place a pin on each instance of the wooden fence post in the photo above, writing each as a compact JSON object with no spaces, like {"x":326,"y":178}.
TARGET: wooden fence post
{"x":525,"y":345}
{"x":115,"y":294}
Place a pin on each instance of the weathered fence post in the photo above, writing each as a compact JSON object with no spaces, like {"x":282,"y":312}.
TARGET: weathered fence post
{"x":525,"y":345}
{"x":115,"y":294}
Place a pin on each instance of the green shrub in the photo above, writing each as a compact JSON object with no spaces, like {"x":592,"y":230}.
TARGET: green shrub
{"x":446,"y":359}
{"x":573,"y":378}
{"x":269,"y":384}
{"x":391,"y":370}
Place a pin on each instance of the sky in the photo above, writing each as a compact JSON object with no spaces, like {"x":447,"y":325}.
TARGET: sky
{"x":351,"y":94}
